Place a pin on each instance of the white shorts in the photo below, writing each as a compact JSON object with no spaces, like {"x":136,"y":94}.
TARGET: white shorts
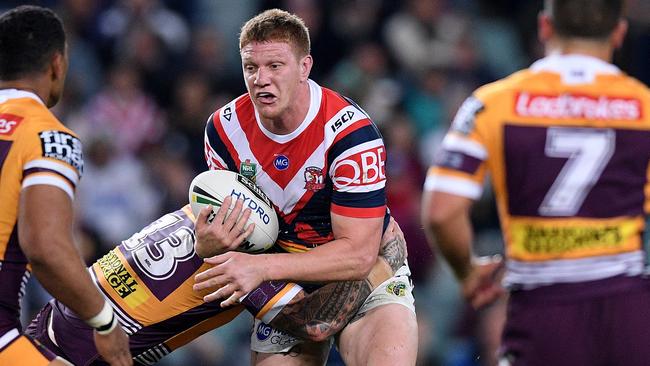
{"x":396,"y":290}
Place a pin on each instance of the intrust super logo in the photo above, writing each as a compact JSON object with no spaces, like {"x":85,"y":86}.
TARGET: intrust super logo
{"x":360,"y":169}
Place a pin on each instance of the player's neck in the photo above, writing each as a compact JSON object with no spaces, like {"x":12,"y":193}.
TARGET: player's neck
{"x":30,"y":85}
{"x":598,"y":49}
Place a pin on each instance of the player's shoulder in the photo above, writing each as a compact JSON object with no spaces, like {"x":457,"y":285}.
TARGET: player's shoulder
{"x":26,"y":118}
{"x":635,"y":86}
{"x":235,"y":109}
{"x":340,"y":113}
{"x":511,"y":83}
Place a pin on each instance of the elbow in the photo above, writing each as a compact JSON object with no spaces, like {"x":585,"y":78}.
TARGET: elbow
{"x":35,"y":249}
{"x":435,"y":216}
{"x":323,"y":333}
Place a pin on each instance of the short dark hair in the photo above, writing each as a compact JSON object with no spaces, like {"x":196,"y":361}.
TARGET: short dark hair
{"x":29,"y":37}
{"x":276,"y":25}
{"x":584,"y":18}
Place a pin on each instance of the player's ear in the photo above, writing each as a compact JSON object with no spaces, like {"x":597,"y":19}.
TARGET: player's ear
{"x":618,"y":35}
{"x":305,"y":67}
{"x":544,"y":27}
{"x":57,"y":67}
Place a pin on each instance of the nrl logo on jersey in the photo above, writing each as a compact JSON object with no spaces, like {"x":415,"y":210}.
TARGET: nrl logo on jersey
{"x":248,"y":169}
{"x":314,"y":178}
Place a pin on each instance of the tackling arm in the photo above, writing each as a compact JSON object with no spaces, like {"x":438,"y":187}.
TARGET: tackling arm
{"x":350,"y":256}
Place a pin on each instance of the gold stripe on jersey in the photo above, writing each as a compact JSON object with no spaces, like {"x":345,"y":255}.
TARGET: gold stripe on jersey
{"x":205,"y":326}
{"x":274,"y":300}
{"x":128,"y":291}
{"x":118,"y":279}
{"x":534,"y":239}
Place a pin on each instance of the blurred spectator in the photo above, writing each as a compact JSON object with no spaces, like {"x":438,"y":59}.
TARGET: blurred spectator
{"x":122,"y":112}
{"x":365,"y":77}
{"x":116,"y":22}
{"x":117,"y":198}
{"x":192,"y":103}
{"x":423,"y":35}
{"x":406,"y":176}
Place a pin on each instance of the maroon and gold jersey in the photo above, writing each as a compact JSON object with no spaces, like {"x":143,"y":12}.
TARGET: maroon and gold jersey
{"x":567,"y":145}
{"x":35,"y":148}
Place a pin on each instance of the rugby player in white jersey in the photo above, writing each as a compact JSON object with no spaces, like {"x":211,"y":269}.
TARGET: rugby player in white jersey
{"x":320,"y":159}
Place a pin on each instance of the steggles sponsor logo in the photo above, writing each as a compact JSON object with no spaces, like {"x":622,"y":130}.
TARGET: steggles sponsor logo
{"x":577,"y":106}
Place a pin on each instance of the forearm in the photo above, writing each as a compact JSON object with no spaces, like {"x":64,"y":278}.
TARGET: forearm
{"x":453,"y":240}
{"x":47,"y":241}
{"x":324,"y":312}
{"x":64,"y":276}
{"x":338,"y":260}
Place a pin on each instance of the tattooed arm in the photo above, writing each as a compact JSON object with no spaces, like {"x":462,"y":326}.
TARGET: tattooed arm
{"x":324,"y":312}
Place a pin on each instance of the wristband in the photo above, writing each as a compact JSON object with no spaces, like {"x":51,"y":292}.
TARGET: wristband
{"x":104,"y":318}
{"x":105,"y":329}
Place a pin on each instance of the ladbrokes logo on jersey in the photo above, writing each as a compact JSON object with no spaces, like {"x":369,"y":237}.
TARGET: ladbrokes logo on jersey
{"x":62,"y":146}
{"x":8,"y":123}
{"x":363,"y":168}
{"x":577,"y":106}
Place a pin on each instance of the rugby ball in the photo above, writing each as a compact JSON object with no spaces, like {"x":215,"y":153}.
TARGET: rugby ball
{"x":213,"y":186}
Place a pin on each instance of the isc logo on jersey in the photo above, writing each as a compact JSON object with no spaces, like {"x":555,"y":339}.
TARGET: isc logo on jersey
{"x":363,"y":168}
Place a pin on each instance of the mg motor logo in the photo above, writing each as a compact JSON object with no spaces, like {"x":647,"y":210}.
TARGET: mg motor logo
{"x":263,"y":332}
{"x":281,"y":162}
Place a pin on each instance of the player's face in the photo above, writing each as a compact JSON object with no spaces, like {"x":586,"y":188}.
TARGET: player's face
{"x":273,"y":73}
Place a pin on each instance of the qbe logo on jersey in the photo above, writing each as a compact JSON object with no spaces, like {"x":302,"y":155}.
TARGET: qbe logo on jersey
{"x":62,"y":146}
{"x":361,"y":171}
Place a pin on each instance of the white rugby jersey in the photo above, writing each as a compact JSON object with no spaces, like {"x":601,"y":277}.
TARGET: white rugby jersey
{"x":333,"y":162}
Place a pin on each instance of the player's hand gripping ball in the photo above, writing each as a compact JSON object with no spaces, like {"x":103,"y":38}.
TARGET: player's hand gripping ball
{"x":211,"y":187}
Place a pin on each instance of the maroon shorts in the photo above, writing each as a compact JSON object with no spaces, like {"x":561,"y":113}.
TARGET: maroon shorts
{"x":605,"y":322}
{"x":76,"y":337}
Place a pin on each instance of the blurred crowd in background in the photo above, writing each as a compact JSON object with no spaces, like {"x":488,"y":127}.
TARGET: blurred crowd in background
{"x":146,"y":74}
